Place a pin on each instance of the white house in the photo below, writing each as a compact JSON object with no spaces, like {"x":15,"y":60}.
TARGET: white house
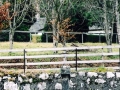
{"x":38,"y":25}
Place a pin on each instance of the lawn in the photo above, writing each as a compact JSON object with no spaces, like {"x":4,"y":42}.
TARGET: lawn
{"x":30,"y":45}
{"x":24,"y":45}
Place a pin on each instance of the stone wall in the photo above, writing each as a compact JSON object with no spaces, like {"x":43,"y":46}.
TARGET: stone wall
{"x":74,"y":81}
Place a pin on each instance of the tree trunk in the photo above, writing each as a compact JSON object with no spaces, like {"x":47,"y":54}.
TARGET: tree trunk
{"x":108,"y":33}
{"x":54,"y":27}
{"x":117,"y":20}
{"x":11,"y":40}
{"x":55,"y":36}
{"x":11,"y":37}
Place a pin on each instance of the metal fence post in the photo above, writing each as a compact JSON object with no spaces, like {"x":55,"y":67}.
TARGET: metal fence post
{"x":76,"y":57}
{"x":82,"y":38}
{"x":102,"y":57}
{"x":24,"y":61}
{"x":119,"y":59}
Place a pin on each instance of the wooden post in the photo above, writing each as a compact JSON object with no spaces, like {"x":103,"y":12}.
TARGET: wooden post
{"x":46,"y":37}
{"x":99,"y":38}
{"x":30,"y":37}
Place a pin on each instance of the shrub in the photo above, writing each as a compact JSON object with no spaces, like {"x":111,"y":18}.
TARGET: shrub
{"x":4,"y":36}
{"x":36,"y":38}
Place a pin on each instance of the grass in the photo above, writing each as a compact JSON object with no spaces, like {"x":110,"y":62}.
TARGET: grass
{"x":24,"y":45}
{"x":98,"y":69}
{"x":31,"y":45}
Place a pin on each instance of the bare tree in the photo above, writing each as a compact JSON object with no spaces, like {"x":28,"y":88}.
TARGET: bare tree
{"x":20,"y":7}
{"x":117,"y":20}
{"x":56,"y":11}
{"x":104,"y":15}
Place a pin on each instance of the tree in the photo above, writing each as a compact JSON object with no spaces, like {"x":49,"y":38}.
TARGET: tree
{"x":20,"y":7}
{"x":56,"y":11}
{"x":4,"y":15}
{"x":117,"y":20}
{"x":64,"y":31}
{"x":103,"y":15}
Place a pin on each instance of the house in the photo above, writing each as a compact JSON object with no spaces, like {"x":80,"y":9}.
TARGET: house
{"x":95,"y":30}
{"x":38,"y":25}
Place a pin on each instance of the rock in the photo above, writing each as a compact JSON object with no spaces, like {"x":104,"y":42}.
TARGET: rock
{"x":81,"y":73}
{"x":73,"y":75}
{"x":117,"y":74}
{"x":30,"y":80}
{"x":88,"y":81}
{"x":44,"y":76}
{"x":90,"y":74}
{"x":1,"y":86}
{"x":20,"y":79}
{"x":10,"y":86}
{"x":41,"y":86}
{"x":110,"y":75}
{"x":0,"y":79}
{"x":58,"y":86}
{"x":26,"y":87}
{"x":100,"y":81}
{"x":56,"y":75}
{"x":71,"y":84}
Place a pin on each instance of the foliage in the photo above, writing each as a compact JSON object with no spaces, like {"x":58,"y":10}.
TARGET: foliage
{"x":4,"y":36}
{"x":22,"y":37}
{"x":64,"y":30}
{"x":97,"y":38}
{"x":43,"y":38}
{"x":36,"y":38}
{"x":102,"y":69}
{"x":4,"y":15}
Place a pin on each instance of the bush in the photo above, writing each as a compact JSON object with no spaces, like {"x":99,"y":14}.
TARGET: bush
{"x":50,"y":38}
{"x":4,"y":36}
{"x":95,"y":38}
{"x":21,"y":37}
{"x":36,"y":38}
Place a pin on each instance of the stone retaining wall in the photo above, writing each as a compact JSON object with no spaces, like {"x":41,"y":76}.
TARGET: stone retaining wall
{"x":76,"y":81}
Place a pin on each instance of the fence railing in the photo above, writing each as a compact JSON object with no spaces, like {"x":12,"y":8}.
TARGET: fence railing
{"x":75,"y":53}
{"x":82,"y":38}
